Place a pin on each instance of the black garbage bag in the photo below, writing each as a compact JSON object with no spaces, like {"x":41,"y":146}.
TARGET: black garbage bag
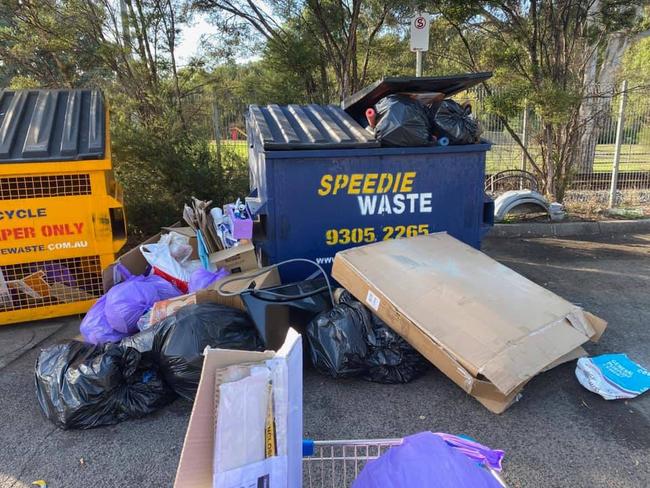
{"x":176,"y":343}
{"x":80,"y":386}
{"x":391,"y":358}
{"x":455,"y":122}
{"x":350,"y":341}
{"x":402,"y":122}
{"x":337,"y":340}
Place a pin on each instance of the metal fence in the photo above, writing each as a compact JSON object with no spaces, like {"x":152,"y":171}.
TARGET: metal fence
{"x":621,"y":165}
{"x":620,"y":172}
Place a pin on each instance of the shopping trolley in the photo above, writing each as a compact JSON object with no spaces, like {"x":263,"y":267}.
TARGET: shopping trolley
{"x":337,"y":463}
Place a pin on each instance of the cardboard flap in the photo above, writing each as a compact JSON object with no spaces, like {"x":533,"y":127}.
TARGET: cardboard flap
{"x":521,"y":360}
{"x":599,"y":325}
{"x":291,"y":352}
{"x":195,"y":465}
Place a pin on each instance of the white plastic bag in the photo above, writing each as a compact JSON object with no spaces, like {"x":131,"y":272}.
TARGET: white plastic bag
{"x":169,"y":259}
{"x":179,"y":246}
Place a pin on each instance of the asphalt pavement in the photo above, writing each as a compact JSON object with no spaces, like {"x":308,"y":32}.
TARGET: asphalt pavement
{"x":557,"y":435}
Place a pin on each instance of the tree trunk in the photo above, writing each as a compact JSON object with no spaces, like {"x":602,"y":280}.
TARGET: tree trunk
{"x":593,"y":112}
{"x":548,"y":155}
{"x":595,"y":107}
{"x":171,"y":41}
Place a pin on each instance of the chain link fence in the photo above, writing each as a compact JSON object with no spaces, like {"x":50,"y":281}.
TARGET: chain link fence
{"x":590,"y":183}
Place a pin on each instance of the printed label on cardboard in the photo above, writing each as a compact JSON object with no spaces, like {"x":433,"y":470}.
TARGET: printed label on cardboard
{"x":373,"y":300}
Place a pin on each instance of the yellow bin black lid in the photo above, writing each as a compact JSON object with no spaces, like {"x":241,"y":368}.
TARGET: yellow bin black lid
{"x":51,"y":125}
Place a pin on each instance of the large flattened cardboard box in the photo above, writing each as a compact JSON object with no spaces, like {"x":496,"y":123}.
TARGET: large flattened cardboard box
{"x":486,"y":327}
{"x":195,"y":468}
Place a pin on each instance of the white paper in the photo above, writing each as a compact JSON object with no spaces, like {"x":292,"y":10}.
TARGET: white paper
{"x":241,"y":421}
{"x":269,"y":473}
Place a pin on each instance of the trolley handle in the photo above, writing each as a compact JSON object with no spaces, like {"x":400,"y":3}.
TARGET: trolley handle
{"x":308,"y":447}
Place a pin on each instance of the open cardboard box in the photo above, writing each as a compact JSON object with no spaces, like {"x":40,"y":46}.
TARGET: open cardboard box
{"x":486,"y":327}
{"x":195,"y":467}
{"x":165,"y":308}
{"x":133,"y":260}
{"x":236,"y":260}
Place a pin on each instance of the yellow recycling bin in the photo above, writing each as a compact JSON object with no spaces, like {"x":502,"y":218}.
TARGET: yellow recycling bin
{"x":61,"y":211}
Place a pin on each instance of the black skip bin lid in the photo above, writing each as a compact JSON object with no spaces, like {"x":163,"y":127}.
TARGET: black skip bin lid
{"x":51,"y":125}
{"x":306,"y":127}
{"x":357,"y":103}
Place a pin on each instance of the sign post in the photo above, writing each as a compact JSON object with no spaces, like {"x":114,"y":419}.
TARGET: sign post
{"x":419,"y":39}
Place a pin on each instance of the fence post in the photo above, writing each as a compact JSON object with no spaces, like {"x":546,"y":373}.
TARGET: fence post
{"x":524,"y":142}
{"x":216,"y":127}
{"x":620,"y":126}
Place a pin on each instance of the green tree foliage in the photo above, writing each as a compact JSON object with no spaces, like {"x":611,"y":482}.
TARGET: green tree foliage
{"x":636,"y":64}
{"x":541,"y":52}
{"x":328,"y":44}
{"x":160,"y":123}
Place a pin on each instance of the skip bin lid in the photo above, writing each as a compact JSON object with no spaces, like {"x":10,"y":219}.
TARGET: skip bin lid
{"x":51,"y":125}
{"x":358,"y":102}
{"x":306,"y":127}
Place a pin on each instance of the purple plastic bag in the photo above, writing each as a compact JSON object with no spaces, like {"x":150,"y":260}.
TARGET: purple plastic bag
{"x":127,"y":301}
{"x":56,"y":273}
{"x":115,"y":315}
{"x":474,"y":450}
{"x":421,"y":459}
{"x":202,"y":278}
{"x":95,"y":329}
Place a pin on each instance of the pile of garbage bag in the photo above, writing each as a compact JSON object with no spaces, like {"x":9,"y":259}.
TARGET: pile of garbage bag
{"x":349,"y":341}
{"x":455,"y":122}
{"x":400,"y":120}
{"x":115,"y":315}
{"x":176,"y":343}
{"x":80,"y":386}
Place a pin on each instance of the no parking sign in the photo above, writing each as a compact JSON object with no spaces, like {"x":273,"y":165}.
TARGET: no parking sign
{"x":420,"y":32}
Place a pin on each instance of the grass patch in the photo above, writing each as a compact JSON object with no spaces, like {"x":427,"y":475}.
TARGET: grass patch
{"x":634,"y":157}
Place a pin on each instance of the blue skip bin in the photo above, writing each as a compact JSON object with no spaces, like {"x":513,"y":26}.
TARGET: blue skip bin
{"x":322,"y":184}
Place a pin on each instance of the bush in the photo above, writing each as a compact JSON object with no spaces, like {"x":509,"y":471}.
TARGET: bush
{"x":161,"y":168}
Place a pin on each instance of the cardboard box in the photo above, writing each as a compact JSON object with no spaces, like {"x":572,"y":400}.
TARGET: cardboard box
{"x":486,"y":327}
{"x":195,"y":465}
{"x":165,"y":308}
{"x":242,"y":228}
{"x":236,"y":259}
{"x":134,"y":261}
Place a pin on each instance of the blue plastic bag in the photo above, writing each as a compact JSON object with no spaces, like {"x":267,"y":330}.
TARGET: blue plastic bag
{"x":115,"y":315}
{"x":420,"y":460}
